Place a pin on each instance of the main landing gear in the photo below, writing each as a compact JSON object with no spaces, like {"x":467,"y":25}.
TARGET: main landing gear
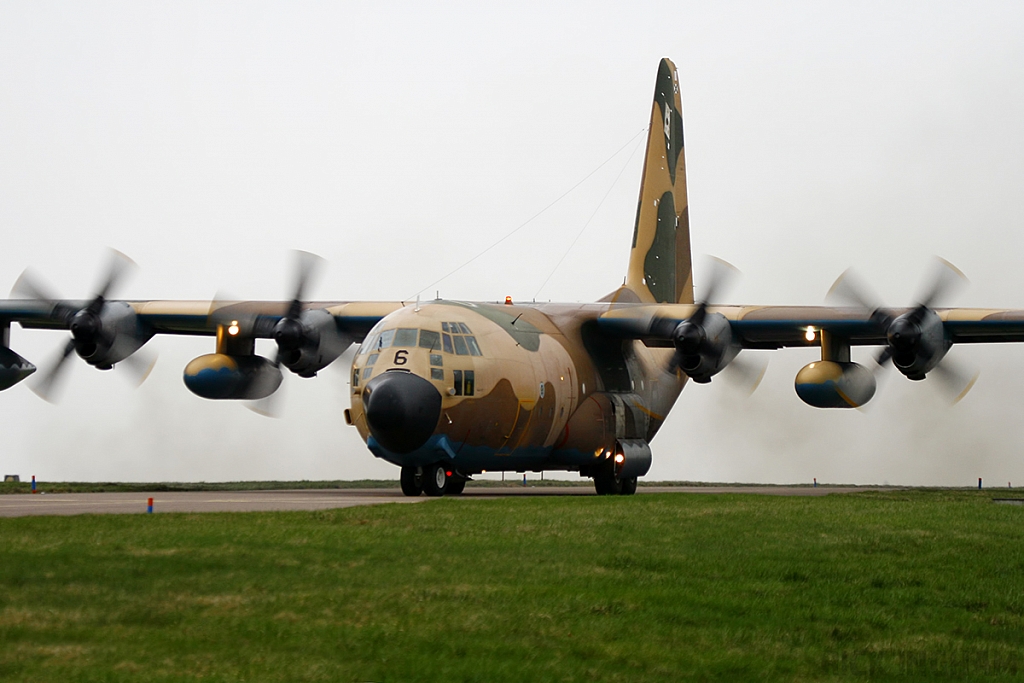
{"x":434,"y":480}
{"x":608,"y":483}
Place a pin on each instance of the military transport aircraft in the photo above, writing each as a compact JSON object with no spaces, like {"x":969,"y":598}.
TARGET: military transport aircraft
{"x":449,"y":389}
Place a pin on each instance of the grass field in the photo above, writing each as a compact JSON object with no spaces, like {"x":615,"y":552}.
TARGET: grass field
{"x":909,"y":585}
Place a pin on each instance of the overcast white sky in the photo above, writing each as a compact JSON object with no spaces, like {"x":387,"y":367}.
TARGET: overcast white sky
{"x":207,"y":139}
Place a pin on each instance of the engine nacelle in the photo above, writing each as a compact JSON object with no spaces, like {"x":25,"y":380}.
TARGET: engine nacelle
{"x":830,"y":384}
{"x":13,"y":368}
{"x":309,"y":344}
{"x":113,"y":334}
{"x":705,"y":349}
{"x":220,"y":376}
{"x":917,"y":342}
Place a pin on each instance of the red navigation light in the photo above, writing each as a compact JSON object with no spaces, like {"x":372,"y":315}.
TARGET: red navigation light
{"x":449,"y":473}
{"x":508,"y":301}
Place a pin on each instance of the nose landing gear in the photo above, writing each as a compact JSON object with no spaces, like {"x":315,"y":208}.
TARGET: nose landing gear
{"x":435,"y":480}
{"x":412,"y":481}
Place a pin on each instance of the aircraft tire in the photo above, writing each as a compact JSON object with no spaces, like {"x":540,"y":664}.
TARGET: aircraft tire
{"x":607,"y":484}
{"x":455,"y":487}
{"x":435,"y":480}
{"x":411,"y":481}
{"x":628,"y":486}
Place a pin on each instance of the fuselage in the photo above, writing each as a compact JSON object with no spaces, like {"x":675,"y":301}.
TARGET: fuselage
{"x":482,"y":386}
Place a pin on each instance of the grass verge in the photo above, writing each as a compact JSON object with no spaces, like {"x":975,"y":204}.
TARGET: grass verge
{"x":910,"y":585}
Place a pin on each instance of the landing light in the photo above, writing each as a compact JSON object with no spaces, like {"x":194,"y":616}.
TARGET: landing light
{"x":233,"y":328}
{"x":809,"y":334}
{"x":619,"y":458}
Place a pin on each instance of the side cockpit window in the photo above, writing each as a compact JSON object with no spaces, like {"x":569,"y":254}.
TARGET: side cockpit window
{"x":459,"y":340}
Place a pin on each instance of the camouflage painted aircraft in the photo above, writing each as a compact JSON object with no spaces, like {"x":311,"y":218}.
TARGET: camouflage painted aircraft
{"x":449,"y":389}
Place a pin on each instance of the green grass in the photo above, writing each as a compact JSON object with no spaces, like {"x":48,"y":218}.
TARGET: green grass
{"x":907,"y":585}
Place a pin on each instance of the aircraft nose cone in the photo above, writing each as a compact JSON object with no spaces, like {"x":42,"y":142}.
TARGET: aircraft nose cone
{"x":401,"y":409}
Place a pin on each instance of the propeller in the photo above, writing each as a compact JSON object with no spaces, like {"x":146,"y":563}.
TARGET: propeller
{"x":914,"y":340}
{"x":289,"y":333}
{"x":86,"y":325}
{"x":690,"y":336}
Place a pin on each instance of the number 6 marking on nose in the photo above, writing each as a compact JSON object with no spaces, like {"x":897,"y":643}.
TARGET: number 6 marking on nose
{"x":401,"y":357}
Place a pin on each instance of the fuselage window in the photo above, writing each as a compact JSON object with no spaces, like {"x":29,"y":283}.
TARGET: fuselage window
{"x":385,"y":339}
{"x":436,"y":359}
{"x":437,"y":373}
{"x":405,"y":337}
{"x":447,"y":341}
{"x":430,"y":340}
{"x":460,"y":346}
{"x":457,"y":374}
{"x":372,"y":359}
{"x":474,"y":350}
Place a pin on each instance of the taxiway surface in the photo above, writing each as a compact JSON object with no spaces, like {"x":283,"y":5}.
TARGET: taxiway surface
{"x":20,"y":505}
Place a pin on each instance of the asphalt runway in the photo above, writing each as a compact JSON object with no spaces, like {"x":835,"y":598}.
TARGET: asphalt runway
{"x":21,"y":505}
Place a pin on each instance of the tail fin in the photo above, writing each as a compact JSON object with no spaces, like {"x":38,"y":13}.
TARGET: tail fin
{"x":659,"y":263}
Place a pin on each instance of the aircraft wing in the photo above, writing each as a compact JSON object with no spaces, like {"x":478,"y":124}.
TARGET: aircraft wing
{"x":352,"y":318}
{"x":773,"y":327}
{"x":309,"y":336}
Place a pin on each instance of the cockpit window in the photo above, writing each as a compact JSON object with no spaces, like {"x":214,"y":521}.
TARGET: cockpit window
{"x":430,"y":340}
{"x":405,"y":337}
{"x":460,"y":341}
{"x":385,"y":339}
{"x":369,"y":344}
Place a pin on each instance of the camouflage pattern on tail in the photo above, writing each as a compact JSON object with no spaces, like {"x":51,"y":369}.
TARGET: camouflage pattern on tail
{"x":659,"y":263}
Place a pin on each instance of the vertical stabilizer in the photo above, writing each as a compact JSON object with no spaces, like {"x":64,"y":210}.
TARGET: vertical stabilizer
{"x":659,"y":263}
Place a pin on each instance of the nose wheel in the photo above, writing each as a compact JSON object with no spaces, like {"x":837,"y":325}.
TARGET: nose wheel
{"x":412,"y":481}
{"x":435,"y":480}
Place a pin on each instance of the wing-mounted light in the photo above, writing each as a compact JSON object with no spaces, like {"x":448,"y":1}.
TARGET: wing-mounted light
{"x":103,"y":332}
{"x":915,"y":341}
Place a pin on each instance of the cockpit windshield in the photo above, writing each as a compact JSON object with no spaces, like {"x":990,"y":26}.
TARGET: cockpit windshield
{"x":455,"y":338}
